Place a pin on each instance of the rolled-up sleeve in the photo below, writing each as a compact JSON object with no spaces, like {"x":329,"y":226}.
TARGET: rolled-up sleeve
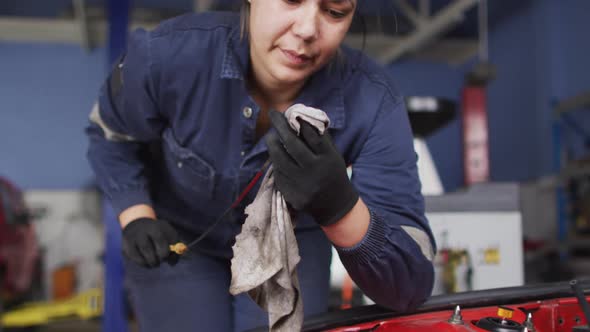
{"x":393,"y":263}
{"x":122,"y":121}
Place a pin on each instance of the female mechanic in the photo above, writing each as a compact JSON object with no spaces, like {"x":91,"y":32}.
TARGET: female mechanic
{"x":193,"y":110}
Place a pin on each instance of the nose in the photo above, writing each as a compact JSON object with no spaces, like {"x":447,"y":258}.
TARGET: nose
{"x":306,"y":24}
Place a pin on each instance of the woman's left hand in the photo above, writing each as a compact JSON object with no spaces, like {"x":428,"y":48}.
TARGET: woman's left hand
{"x":309,"y":171}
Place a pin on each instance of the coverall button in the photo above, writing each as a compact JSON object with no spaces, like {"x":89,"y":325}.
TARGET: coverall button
{"x":179,"y":164}
{"x":247,"y":112}
{"x":243,"y":153}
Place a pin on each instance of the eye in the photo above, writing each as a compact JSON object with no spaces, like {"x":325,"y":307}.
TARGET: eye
{"x":293,"y":2}
{"x":336,"y":14}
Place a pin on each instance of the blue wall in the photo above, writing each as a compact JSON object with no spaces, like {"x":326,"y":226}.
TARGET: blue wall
{"x":540,"y":50}
{"x":542,"y":58}
{"x":46,"y":93}
{"x":512,"y":98}
{"x":570,"y":66}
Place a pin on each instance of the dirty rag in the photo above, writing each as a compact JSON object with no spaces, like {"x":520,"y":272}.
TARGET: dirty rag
{"x":266,"y":252}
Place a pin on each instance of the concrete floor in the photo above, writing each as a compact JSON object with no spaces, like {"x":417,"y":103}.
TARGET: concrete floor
{"x":78,"y":326}
{"x":81,"y":326}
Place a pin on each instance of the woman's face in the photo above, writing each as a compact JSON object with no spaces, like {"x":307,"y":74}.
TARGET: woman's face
{"x":291,"y":39}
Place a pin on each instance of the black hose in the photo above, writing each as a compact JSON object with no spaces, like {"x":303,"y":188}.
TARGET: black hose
{"x":581,"y":299}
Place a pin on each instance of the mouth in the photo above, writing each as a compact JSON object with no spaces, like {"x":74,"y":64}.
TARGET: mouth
{"x":297,"y":59}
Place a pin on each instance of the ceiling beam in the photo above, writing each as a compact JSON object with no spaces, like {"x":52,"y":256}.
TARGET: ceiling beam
{"x":55,"y":30}
{"x":453,"y":51}
{"x":202,"y":5}
{"x":82,"y":18}
{"x":39,"y":30}
{"x":424,"y":8}
{"x":410,"y":12}
{"x":428,"y":30}
{"x":68,"y":31}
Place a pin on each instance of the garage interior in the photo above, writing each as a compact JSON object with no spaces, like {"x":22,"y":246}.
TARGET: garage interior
{"x":497,"y":92}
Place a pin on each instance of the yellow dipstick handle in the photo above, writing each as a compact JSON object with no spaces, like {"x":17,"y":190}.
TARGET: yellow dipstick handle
{"x":505,"y":313}
{"x":179,"y":248}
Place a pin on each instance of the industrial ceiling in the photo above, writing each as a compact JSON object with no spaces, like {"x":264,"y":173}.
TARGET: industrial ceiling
{"x":436,"y":30}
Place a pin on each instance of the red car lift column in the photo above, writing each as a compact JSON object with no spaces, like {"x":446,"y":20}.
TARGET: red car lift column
{"x":476,"y":160}
{"x":476,"y":156}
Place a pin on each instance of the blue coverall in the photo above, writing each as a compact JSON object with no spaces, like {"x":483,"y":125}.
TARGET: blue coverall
{"x":174,"y":128}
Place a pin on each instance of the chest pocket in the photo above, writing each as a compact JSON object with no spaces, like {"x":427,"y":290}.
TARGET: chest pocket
{"x":189,"y":172}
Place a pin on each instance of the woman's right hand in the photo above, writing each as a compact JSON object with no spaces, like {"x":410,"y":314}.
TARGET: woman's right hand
{"x":146,"y":241}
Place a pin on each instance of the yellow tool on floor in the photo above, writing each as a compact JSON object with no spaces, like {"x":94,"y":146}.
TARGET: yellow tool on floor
{"x":86,"y":305}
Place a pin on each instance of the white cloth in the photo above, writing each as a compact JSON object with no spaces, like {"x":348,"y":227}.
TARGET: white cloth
{"x":266,"y":252}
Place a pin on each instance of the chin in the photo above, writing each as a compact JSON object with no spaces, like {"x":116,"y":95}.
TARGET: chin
{"x":290,"y":76}
{"x":285,"y":74}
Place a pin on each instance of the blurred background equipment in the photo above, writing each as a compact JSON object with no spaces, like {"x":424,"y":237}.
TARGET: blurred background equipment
{"x":427,"y":115}
{"x":20,"y":257}
{"x":50,"y":255}
{"x":72,"y":239}
{"x":479,"y":237}
{"x":567,"y":253}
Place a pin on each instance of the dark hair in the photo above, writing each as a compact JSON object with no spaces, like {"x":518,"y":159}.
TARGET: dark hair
{"x":244,"y":17}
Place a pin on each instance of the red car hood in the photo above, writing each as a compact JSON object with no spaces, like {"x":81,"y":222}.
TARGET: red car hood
{"x":553,"y":307}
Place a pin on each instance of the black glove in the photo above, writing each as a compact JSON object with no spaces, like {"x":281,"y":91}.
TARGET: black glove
{"x":309,"y":171}
{"x":146,"y":242}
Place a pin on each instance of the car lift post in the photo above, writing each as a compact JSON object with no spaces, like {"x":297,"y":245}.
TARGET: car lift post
{"x":114,"y":318}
